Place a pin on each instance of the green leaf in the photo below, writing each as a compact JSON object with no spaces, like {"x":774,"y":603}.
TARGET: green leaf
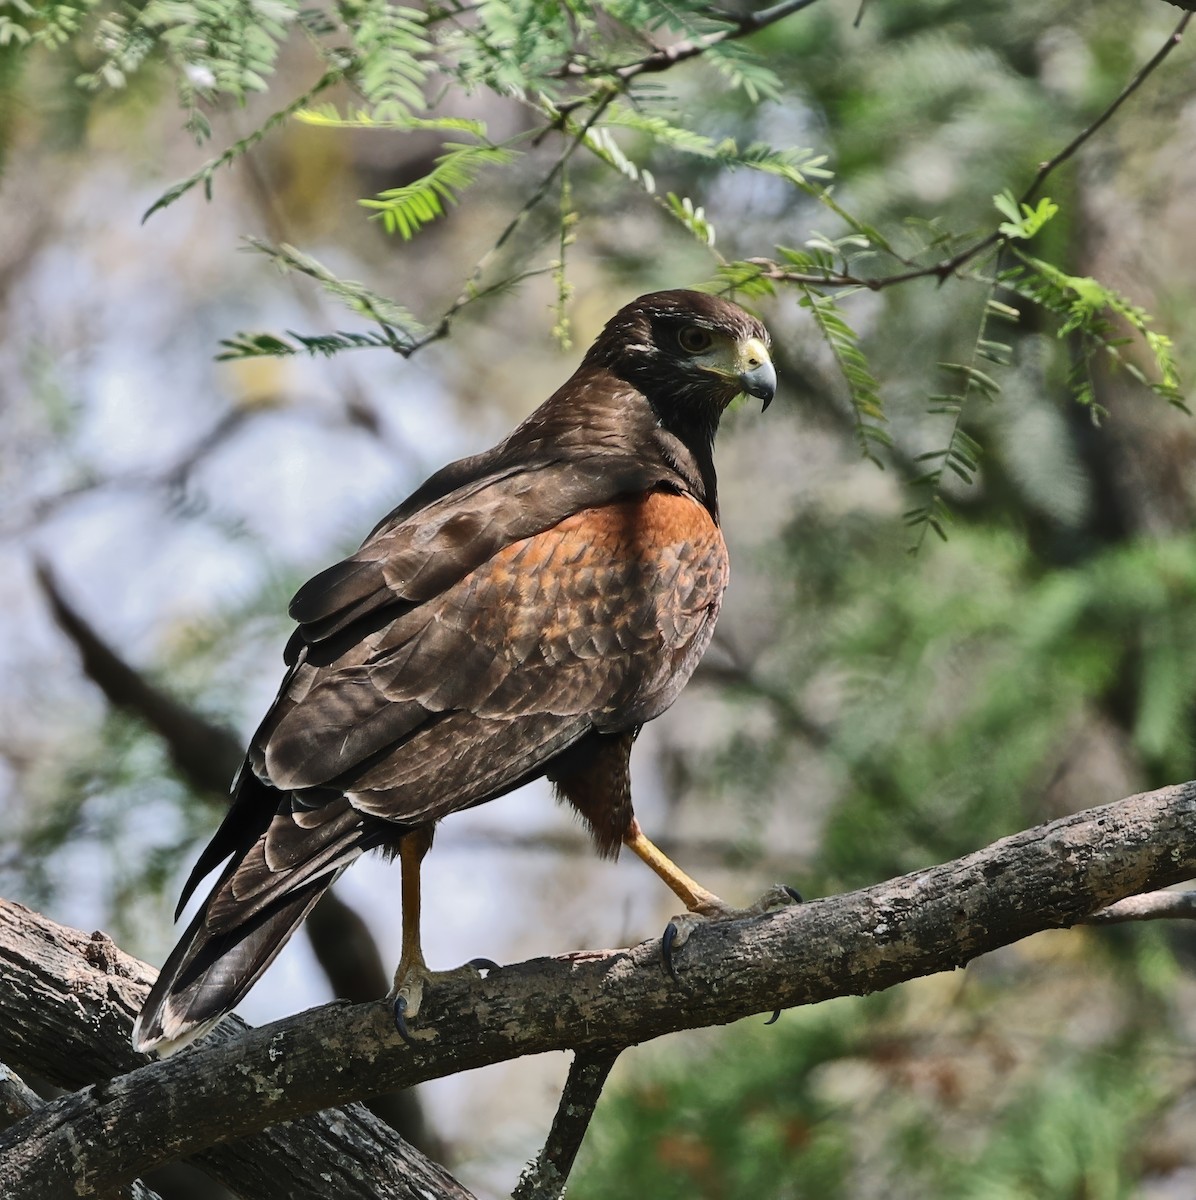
{"x":1027,"y":221}
{"x":406,"y":210}
{"x":269,"y":345}
{"x":326,"y":116}
{"x":864,"y":390}
{"x":402,"y":330}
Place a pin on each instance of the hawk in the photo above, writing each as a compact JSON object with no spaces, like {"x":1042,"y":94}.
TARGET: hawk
{"x":520,"y":615}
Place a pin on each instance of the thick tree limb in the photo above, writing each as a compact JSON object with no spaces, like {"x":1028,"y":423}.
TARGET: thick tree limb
{"x":67,"y":1003}
{"x":18,"y":1099}
{"x":1049,"y":877}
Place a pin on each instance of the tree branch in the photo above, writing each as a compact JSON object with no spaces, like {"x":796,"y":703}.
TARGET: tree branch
{"x":545,"y":1179}
{"x":67,"y":1003}
{"x":205,"y":754}
{"x":948,"y":267}
{"x":18,"y":1100}
{"x":1154,"y":906}
{"x":1049,"y":877}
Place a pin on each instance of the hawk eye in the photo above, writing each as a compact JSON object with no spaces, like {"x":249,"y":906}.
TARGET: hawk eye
{"x":695,"y":340}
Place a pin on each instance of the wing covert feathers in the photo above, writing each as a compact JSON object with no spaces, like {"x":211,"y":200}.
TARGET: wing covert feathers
{"x":481,"y":664}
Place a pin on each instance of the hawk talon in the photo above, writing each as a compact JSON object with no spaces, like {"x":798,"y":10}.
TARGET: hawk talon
{"x":483,"y":964}
{"x":793,"y":892}
{"x":666,"y":949}
{"x":400,"y":1012}
{"x":676,"y":934}
{"x":776,"y":1016}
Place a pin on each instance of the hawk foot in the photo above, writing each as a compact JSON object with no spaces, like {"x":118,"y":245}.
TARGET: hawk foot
{"x":407,"y":995}
{"x":677,"y":931}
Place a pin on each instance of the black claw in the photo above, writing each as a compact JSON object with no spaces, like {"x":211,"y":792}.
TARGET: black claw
{"x":776,"y":1016}
{"x":794,"y":893}
{"x":666,"y":949}
{"x":483,"y":964}
{"x":400,"y":1008}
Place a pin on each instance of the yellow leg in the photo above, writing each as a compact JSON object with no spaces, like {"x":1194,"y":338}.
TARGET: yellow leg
{"x":691,"y":893}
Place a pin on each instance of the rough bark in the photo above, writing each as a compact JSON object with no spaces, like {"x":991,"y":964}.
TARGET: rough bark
{"x":545,"y":1179}
{"x":67,"y":1002}
{"x":18,"y":1099}
{"x":1049,"y":877}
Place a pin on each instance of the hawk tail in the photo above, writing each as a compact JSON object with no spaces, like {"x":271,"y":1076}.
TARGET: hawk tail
{"x":209,"y":972}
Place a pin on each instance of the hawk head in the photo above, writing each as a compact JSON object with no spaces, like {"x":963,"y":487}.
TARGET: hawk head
{"x":689,"y":353}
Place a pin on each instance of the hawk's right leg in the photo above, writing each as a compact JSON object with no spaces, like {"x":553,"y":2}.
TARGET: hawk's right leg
{"x":594,"y":776}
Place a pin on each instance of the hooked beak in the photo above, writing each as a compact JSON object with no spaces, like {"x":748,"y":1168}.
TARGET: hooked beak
{"x":757,"y":375}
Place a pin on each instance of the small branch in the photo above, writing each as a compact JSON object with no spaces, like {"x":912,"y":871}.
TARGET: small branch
{"x":1130,"y":88}
{"x":545,"y":1179}
{"x":665,"y":58}
{"x":740,"y":27}
{"x":1154,"y":906}
{"x":471,"y":293}
{"x":203,"y":752}
{"x":17,"y":1098}
{"x":1049,"y":877}
{"x":949,"y":267}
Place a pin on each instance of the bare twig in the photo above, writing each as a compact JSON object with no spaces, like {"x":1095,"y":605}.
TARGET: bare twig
{"x":948,"y":267}
{"x":1049,"y":877}
{"x":1126,"y":92}
{"x":545,"y":1179}
{"x":1154,"y":906}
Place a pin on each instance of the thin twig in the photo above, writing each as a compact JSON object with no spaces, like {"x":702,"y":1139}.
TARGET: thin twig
{"x":1130,"y":88}
{"x":471,"y":292}
{"x":1152,"y":906}
{"x":670,"y":56}
{"x":948,"y":267}
{"x":665,"y":58}
{"x":545,"y":1179}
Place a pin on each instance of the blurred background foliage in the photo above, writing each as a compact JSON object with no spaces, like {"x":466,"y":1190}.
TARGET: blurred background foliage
{"x":863,"y":712}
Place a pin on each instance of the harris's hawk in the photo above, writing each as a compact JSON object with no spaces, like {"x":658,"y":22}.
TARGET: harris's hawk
{"x":522,"y":614}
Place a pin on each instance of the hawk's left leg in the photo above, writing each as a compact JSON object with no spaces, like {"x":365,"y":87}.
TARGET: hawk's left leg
{"x":408,"y":990}
{"x":412,"y":973}
{"x":702,"y":905}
